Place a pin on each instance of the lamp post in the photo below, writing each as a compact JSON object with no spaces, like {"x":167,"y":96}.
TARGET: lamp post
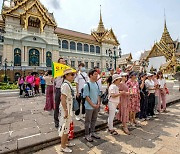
{"x":114,"y":56}
{"x":5,"y":70}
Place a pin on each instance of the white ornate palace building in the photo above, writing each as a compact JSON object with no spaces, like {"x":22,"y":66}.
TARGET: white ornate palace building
{"x":30,"y":40}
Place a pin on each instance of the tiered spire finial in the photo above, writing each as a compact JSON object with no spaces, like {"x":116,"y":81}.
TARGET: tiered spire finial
{"x":100,"y":28}
{"x":166,"y":36}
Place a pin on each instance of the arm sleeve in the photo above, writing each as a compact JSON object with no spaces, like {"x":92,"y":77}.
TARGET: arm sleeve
{"x":86,"y":91}
{"x":65,"y":89}
{"x":76,"y":80}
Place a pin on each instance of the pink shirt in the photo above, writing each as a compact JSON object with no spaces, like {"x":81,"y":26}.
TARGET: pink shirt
{"x":30,"y":79}
{"x":20,"y":80}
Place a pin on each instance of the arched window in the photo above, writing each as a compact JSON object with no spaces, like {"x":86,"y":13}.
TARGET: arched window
{"x":33,"y":57}
{"x":65,"y":44}
{"x":86,"y":47}
{"x":17,"y":57}
{"x":48,"y":59}
{"x":98,"y":49}
{"x":79,"y":46}
{"x":91,"y":48}
{"x":59,"y":42}
{"x":72,"y":45}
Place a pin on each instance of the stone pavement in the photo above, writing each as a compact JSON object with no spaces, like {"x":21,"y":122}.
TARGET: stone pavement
{"x":24,"y":125}
{"x":158,"y":136}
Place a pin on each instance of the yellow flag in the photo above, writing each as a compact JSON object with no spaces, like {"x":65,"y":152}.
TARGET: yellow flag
{"x":58,"y":69}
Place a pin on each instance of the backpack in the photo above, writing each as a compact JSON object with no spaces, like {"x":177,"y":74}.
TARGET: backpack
{"x":105,"y":98}
{"x":88,"y":88}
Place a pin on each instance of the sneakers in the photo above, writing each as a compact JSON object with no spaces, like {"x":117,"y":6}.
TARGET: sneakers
{"x":78,"y":118}
{"x":95,"y":136}
{"x":71,"y":144}
{"x":67,"y":150}
{"x":88,"y":138}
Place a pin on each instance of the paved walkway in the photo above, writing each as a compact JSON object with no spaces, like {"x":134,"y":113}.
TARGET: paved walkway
{"x":23,"y":122}
{"x":158,"y":136}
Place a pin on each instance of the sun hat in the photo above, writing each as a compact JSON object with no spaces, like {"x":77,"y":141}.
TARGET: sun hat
{"x":149,"y":74}
{"x":133,"y":73}
{"x":115,"y":77}
{"x":142,"y":75}
{"x":123,"y":74}
{"x":67,"y":71}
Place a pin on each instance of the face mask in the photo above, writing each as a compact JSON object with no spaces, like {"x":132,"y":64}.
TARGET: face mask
{"x":83,"y":69}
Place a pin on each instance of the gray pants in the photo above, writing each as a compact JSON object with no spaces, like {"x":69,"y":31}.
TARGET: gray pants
{"x":156,"y":103}
{"x":90,"y":120}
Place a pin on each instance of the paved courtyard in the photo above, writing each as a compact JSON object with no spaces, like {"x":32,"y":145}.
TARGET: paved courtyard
{"x":23,"y":122}
{"x":158,"y":136}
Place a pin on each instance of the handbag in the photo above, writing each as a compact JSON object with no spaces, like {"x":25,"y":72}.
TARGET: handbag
{"x":105,"y":98}
{"x":75,"y":102}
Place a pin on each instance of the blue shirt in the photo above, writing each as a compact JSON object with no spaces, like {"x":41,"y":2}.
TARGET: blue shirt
{"x":42,"y":80}
{"x":92,"y":94}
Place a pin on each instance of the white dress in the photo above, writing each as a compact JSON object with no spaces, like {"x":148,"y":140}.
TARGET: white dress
{"x":64,"y":124}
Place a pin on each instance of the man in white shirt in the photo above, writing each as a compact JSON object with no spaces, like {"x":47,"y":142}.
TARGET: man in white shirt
{"x":80,"y":81}
{"x":57,"y":83}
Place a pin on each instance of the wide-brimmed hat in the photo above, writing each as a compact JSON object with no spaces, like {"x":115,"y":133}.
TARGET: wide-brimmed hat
{"x":123,"y":74}
{"x":149,"y":74}
{"x":132,"y":74}
{"x":142,"y":75}
{"x":67,"y":71}
{"x":115,"y":77}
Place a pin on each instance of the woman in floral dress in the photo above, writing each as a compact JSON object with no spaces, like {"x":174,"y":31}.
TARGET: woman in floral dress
{"x":134,"y":107}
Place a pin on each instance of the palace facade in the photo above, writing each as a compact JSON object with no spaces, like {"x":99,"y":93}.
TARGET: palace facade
{"x":30,"y":40}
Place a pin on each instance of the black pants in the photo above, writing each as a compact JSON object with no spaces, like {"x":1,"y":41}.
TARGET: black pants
{"x":30,"y":86}
{"x":21,"y":88}
{"x":80,"y":101}
{"x":57,"y":103}
{"x":143,"y":106}
{"x":43,"y":88}
{"x":151,"y":104}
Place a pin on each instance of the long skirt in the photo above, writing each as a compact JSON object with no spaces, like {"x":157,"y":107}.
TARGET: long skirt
{"x":49,"y":98}
{"x":123,"y":114}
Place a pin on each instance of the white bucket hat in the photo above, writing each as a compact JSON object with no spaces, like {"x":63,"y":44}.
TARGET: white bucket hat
{"x":123,"y":74}
{"x":115,"y":77}
{"x":149,"y":74}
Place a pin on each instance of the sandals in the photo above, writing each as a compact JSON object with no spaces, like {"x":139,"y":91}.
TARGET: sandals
{"x":113,"y":132}
{"x":126,"y":131}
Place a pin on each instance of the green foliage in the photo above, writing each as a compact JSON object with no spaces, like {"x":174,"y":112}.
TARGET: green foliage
{"x":6,"y":86}
{"x":178,"y":68}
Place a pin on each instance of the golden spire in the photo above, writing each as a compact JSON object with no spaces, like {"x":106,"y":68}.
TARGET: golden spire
{"x":166,"y":36}
{"x":100,"y":28}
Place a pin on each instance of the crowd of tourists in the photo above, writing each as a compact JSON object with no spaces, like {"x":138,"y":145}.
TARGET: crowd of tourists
{"x":129,"y":95}
{"x":30,"y":84}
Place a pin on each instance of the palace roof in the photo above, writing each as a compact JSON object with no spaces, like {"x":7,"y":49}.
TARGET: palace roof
{"x":74,"y":33}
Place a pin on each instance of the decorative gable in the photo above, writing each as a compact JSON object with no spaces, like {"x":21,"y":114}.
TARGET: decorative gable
{"x":31,"y":9}
{"x":110,"y":38}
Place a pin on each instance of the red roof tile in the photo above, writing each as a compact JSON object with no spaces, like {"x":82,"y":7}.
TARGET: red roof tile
{"x":74,"y":33}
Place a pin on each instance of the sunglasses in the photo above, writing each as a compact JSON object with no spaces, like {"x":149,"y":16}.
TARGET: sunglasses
{"x":72,"y":74}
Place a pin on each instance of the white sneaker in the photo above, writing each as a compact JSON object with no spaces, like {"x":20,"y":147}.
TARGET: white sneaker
{"x":67,"y":150}
{"x":70,"y":144}
{"x":78,"y":118}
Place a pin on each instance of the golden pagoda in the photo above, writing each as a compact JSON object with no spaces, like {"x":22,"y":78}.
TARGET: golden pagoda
{"x":165,"y":47}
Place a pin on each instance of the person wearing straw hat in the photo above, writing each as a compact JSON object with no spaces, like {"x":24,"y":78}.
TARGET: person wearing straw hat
{"x":66,"y":109}
{"x":114,"y":96}
{"x":123,"y":106}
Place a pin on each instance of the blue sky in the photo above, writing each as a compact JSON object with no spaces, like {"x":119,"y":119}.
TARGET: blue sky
{"x":136,"y":23}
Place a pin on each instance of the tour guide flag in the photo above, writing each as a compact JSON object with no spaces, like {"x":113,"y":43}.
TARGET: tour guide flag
{"x":58,"y":69}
